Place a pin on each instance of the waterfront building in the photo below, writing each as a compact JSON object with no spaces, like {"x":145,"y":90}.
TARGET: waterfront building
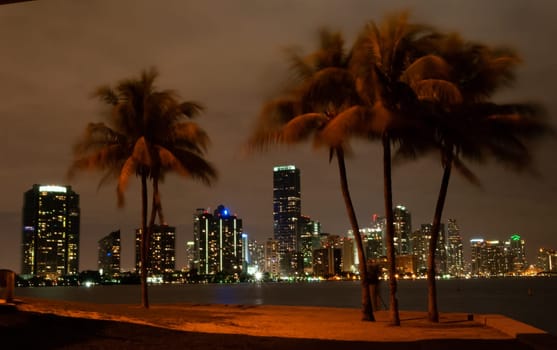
{"x":420,"y":248}
{"x":50,"y":235}
{"x":419,"y":241}
{"x":455,"y":250}
{"x":256,"y":256}
{"x":488,"y":258}
{"x":348,"y":256}
{"x":190,"y":255}
{"x":327,"y":261}
{"x":307,"y":232}
{"x":547,"y":260}
{"x":476,"y":245}
{"x":402,"y":230}
{"x":217,"y":242}
{"x":109,"y":255}
{"x":272,"y":258}
{"x":515,"y":254}
{"x":287,"y":210}
{"x":162,"y":250}
{"x":373,"y":239}
{"x":406,"y":265}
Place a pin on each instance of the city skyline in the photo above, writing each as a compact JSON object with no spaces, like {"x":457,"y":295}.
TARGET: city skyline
{"x":231,"y":60}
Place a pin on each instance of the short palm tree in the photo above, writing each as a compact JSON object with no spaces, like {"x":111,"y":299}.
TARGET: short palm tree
{"x":146,"y":136}
{"x":324,"y":90}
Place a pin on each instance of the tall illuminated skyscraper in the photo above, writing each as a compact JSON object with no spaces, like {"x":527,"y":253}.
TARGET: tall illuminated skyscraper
{"x":217,"y":242}
{"x":403,"y":229}
{"x":455,"y":251}
{"x":287,"y":208}
{"x":50,"y":235}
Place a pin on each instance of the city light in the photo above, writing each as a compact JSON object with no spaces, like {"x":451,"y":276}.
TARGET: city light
{"x":52,"y":188}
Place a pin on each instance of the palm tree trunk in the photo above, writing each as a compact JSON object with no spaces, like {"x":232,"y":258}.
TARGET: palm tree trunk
{"x":389,"y":236}
{"x":157,"y":201}
{"x":367,"y":310}
{"x":144,"y":241}
{"x":432,"y":310}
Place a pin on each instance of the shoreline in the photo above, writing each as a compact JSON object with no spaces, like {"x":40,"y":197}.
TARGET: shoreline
{"x":271,"y":324}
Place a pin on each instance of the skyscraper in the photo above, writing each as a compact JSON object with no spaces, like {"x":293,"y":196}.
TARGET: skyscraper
{"x":403,"y":228}
{"x":455,"y":251}
{"x":50,"y":235}
{"x":287,"y":208}
{"x":109,"y":255}
{"x":516,"y":254}
{"x":217,"y":242}
{"x":162,"y":250}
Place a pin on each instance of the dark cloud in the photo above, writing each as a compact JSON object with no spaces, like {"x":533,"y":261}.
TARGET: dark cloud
{"x":229,"y":56}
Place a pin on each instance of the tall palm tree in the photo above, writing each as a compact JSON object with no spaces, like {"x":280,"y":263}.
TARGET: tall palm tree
{"x":324,"y":90}
{"x":144,"y":135}
{"x":392,"y":64}
{"x":469,"y":126}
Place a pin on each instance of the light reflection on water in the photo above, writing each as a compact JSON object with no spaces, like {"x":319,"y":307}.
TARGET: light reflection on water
{"x":530,"y":300}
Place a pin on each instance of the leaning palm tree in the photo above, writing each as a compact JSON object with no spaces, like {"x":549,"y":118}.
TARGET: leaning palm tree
{"x":469,"y":126}
{"x":145,"y":135}
{"x":389,"y":59}
{"x":324,"y":89}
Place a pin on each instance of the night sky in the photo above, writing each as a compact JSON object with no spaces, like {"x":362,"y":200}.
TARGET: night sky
{"x":229,"y":55}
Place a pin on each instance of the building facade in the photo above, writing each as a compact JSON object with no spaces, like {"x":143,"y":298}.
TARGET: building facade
{"x":402,"y":229}
{"x":455,"y":250}
{"x":217,"y":242}
{"x":109,"y":255}
{"x":287,"y":209}
{"x":162,"y":250}
{"x":50,"y":235}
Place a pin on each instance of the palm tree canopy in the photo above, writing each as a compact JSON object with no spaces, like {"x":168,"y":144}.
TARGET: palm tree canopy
{"x":395,"y":69}
{"x":471,"y":126}
{"x":323,"y":88}
{"x":148,"y":132}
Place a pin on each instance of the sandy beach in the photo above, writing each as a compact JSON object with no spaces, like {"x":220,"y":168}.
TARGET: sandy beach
{"x":70,"y":325}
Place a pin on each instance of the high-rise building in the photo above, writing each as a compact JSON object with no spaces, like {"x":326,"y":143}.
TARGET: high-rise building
{"x":327,"y":261}
{"x":287,"y":209}
{"x":419,"y":240}
{"x":402,"y":230}
{"x":547,"y":260}
{"x":162,"y":250}
{"x":256,"y":256}
{"x":190,"y":255}
{"x":455,"y":250}
{"x":488,"y":258}
{"x":307,"y":235}
{"x":109,"y":255}
{"x":218,"y":242}
{"x":272,"y":262}
{"x":50,"y":235}
{"x":516,"y":254}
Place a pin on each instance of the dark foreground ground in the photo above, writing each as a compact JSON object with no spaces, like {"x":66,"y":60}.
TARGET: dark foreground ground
{"x":30,"y":330}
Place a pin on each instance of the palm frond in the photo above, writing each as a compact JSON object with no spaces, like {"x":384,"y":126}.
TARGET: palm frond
{"x":463,"y":170}
{"x":128,"y":169}
{"x":302,"y":127}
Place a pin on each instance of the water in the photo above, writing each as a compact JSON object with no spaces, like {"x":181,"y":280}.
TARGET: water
{"x":529,"y":300}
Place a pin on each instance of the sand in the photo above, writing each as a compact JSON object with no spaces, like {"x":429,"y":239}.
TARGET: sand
{"x":70,"y":325}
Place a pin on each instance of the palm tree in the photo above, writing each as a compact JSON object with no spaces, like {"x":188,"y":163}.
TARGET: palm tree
{"x":324,"y":90}
{"x":469,"y":126}
{"x":144,"y":135}
{"x":392,"y":64}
